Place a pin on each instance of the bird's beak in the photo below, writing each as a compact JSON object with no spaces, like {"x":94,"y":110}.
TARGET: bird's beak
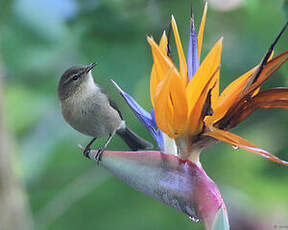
{"x":89,"y":67}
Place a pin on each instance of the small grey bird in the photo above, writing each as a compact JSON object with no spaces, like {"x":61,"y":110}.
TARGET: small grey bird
{"x":90,"y":111}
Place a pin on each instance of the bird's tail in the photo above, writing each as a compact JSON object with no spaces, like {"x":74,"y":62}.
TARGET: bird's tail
{"x":133,"y":140}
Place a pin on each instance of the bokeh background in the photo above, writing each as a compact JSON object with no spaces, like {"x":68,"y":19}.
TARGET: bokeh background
{"x":45,"y":182}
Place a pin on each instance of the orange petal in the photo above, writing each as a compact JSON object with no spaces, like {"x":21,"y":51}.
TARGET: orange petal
{"x":179,"y":103}
{"x":182,"y":60}
{"x":268,"y":70}
{"x":203,"y":75}
{"x":162,"y":63}
{"x":155,"y":77}
{"x":231,"y":95}
{"x":271,"y":56}
{"x":196,"y":116}
{"x":234,"y":89}
{"x":153,"y":84}
{"x":171,"y":105}
{"x":267,"y":99}
{"x":240,"y":142}
{"x":201,"y":30}
{"x":228,"y":97}
{"x":163,"y":107}
{"x":252,"y":77}
{"x":250,"y":89}
{"x":258,"y":89}
{"x":215,"y":90}
{"x":163,"y":43}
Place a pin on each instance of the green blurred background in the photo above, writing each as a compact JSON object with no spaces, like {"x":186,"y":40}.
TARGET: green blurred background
{"x":51,"y":186}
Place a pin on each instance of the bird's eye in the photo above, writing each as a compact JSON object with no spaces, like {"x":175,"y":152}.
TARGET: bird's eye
{"x":76,"y":77}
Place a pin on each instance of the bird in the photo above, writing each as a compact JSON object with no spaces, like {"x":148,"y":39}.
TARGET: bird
{"x":88,"y":109}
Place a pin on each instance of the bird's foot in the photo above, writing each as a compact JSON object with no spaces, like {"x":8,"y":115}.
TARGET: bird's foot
{"x":86,"y":152}
{"x":87,"y":149}
{"x":98,"y":156}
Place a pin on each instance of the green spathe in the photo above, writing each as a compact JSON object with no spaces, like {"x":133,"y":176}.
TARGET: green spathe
{"x":178,"y":183}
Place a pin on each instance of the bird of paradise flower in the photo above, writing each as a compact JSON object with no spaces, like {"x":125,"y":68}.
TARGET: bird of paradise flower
{"x":188,"y":112}
{"x":189,"y":115}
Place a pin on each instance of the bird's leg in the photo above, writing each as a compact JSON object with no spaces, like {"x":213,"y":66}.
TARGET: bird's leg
{"x":102,"y":149}
{"x":87,"y":148}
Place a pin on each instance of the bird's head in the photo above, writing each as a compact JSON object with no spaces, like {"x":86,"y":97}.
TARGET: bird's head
{"x":74,"y":79}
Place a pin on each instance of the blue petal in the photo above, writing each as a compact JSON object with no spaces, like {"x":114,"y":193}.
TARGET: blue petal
{"x":192,"y":57}
{"x":153,"y":117}
{"x":147,"y":119}
{"x":159,"y":135}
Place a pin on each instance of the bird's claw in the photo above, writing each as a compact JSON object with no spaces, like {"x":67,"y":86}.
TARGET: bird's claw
{"x":86,"y":152}
{"x":98,"y":156}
